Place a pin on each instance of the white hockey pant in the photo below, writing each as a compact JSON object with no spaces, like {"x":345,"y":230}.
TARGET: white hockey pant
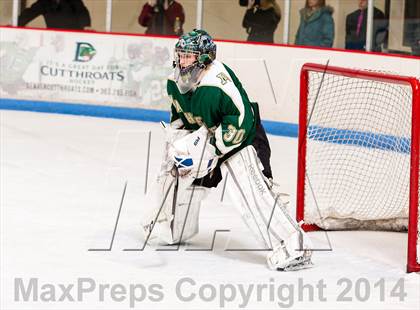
{"x":262,"y":211}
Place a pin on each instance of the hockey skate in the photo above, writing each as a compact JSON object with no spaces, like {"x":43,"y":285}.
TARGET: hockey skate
{"x":284,"y":259}
{"x":280,"y":261}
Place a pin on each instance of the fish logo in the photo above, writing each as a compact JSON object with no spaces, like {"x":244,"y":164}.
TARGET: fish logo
{"x":84,"y":52}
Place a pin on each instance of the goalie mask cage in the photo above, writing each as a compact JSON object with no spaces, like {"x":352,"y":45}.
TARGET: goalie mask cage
{"x":358,"y":160}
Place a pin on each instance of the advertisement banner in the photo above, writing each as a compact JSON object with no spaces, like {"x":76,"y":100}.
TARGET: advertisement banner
{"x":76,"y":67}
{"x":130,"y":71}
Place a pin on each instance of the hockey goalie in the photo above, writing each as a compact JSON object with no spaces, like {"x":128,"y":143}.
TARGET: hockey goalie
{"x":215,"y":129}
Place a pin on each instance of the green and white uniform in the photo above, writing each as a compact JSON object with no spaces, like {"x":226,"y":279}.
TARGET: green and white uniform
{"x":221,"y":104}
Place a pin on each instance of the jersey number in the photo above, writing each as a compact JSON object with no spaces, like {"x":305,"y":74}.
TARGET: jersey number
{"x":233,"y":135}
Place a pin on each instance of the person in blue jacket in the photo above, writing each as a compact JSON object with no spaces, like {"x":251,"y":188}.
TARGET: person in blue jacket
{"x":316,"y":25}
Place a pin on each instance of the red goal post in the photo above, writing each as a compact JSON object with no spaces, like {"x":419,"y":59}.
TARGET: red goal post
{"x":358,"y":152}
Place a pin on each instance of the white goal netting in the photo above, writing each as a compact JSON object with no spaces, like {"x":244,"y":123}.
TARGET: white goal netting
{"x":357,"y":173}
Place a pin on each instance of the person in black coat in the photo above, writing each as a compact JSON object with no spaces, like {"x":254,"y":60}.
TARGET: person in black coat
{"x":415,"y":37}
{"x":61,"y":14}
{"x":260,"y":21}
{"x":356,"y":25}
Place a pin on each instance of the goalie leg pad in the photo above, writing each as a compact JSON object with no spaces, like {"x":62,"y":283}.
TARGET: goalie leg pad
{"x":174,"y":215}
{"x":262,"y":211}
{"x":185,"y":224}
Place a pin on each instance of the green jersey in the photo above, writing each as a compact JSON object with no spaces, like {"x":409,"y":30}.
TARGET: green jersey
{"x":221,"y":104}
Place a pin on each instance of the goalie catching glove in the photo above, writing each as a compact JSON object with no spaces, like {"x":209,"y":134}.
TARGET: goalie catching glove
{"x":193,"y":154}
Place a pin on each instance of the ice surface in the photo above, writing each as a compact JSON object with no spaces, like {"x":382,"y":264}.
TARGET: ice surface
{"x":62,"y":179}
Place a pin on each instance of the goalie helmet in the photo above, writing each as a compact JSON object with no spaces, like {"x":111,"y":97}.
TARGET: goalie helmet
{"x":194,"y":51}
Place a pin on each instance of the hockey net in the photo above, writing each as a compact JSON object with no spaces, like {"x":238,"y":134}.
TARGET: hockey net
{"x":358,"y":165}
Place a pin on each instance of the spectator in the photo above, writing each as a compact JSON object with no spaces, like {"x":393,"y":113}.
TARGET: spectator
{"x":61,"y":14}
{"x":415,"y":47}
{"x":316,"y":25}
{"x":162,"y":17}
{"x":260,"y":21}
{"x":356,"y":25}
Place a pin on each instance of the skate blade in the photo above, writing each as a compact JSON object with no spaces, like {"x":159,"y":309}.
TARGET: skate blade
{"x":298,"y":264}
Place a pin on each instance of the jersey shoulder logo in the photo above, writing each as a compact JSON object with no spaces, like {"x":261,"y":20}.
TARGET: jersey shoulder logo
{"x":223,"y":78}
{"x":176,"y":105}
